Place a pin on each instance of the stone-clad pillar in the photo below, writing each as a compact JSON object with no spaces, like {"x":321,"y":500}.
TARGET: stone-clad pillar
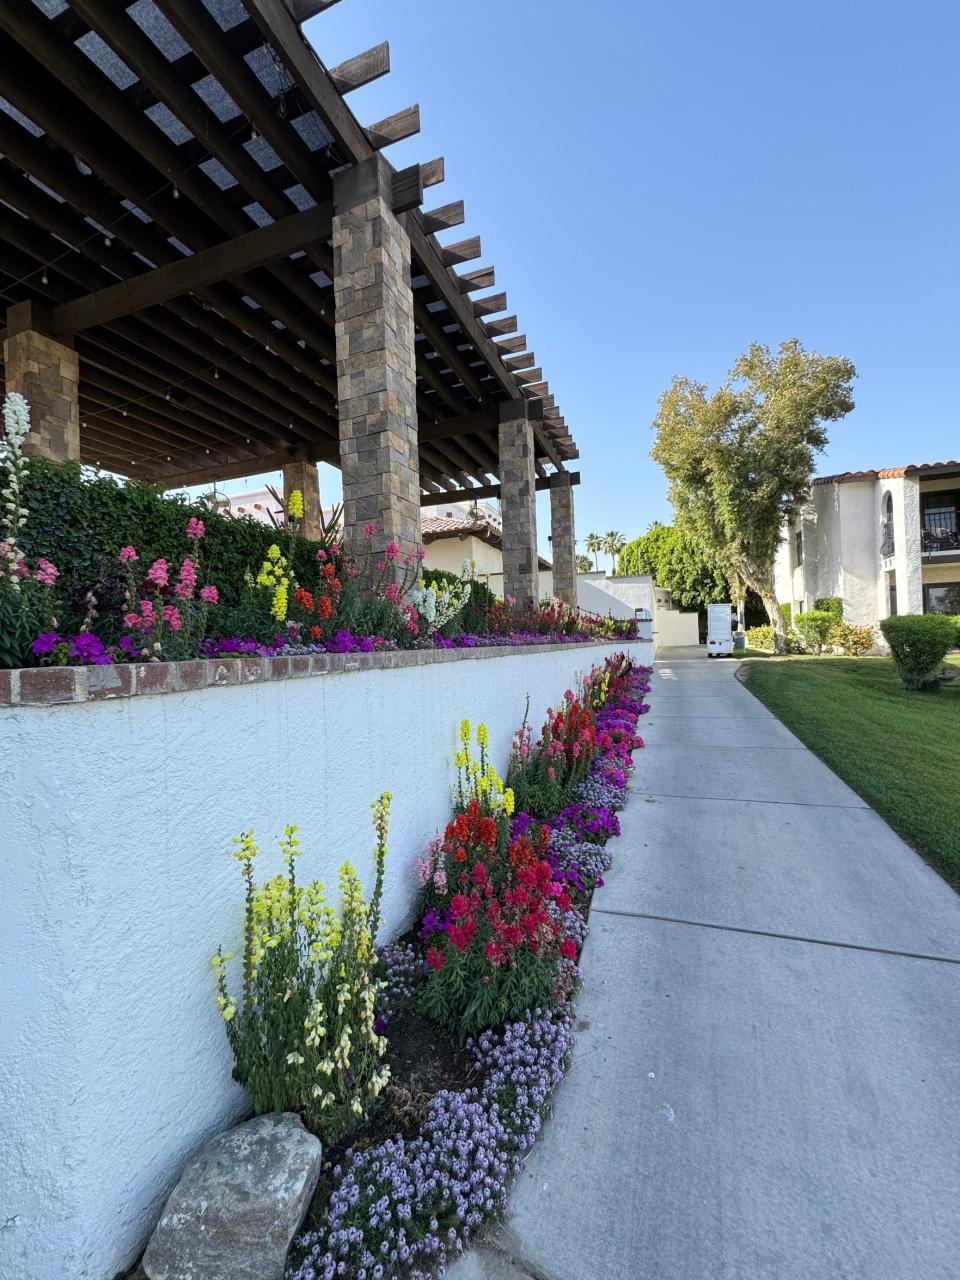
{"x":305,"y":477}
{"x":46,"y":371}
{"x":376,"y":367}
{"x":563,"y":543}
{"x":518,"y":505}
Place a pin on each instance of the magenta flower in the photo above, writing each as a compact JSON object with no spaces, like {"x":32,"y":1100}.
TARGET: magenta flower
{"x":187,"y":580}
{"x":195,"y":528}
{"x":127,"y":555}
{"x":392,"y":551}
{"x":158,"y":573}
{"x":132,"y":620}
{"x":392,"y":591}
{"x":335,"y":549}
{"x":171,"y":616}
{"x":209,"y":595}
{"x":321,"y":554}
{"x":47,"y":573}
{"x":370,"y":529}
{"x":420,"y":553}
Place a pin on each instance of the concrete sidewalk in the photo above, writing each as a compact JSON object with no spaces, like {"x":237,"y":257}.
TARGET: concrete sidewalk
{"x":766,"y":1074}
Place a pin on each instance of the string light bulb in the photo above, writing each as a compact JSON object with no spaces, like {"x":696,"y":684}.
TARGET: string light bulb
{"x":43,"y":278}
{"x":176,"y":192}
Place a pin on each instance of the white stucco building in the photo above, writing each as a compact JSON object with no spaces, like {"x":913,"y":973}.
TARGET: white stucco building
{"x":884,"y":541}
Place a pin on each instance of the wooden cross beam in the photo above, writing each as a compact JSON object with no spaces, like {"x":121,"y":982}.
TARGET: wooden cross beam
{"x":486,"y":491}
{"x":363,"y":69}
{"x":189,"y":275}
{"x":302,"y":10}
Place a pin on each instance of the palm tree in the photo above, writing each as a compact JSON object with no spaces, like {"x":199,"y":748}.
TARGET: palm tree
{"x":584,"y":564}
{"x":613,"y":543}
{"x":594,"y":545}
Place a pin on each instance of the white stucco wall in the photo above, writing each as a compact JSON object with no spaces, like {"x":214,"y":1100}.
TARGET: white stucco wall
{"x":450,"y":553}
{"x":118,"y":882}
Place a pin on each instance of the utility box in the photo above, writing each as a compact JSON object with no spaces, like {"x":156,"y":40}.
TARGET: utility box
{"x":721,"y":620}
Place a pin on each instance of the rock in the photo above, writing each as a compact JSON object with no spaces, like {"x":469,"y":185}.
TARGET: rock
{"x":238,"y":1205}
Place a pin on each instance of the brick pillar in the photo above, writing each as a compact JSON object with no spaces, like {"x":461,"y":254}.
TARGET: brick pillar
{"x":305,"y":477}
{"x":518,"y":505}
{"x":376,"y":367}
{"x":563,"y":539}
{"x":47,"y":373}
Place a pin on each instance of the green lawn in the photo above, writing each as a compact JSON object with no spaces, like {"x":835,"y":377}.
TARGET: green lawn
{"x":900,"y":751}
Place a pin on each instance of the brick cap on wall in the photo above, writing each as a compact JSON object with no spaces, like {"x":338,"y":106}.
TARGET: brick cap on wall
{"x":49,"y":686}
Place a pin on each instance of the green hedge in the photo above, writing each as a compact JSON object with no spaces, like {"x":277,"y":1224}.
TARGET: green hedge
{"x":830,"y":604}
{"x":81,"y":525}
{"x":919,"y":643}
{"x":814,"y":628}
{"x":472,"y":618}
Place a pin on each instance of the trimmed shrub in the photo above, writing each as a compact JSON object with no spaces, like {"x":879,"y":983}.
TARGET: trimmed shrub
{"x":760,"y":637}
{"x":853,"y":640}
{"x":472,"y":618}
{"x":830,"y":604}
{"x":814,"y":628}
{"x":919,"y":643}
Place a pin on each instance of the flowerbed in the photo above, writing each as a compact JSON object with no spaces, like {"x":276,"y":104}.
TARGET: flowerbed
{"x":178,"y":588}
{"x":506,"y":896}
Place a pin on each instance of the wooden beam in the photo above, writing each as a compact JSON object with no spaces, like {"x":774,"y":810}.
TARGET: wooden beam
{"x":407,"y":189}
{"x":209,"y":266}
{"x":482,"y":278}
{"x":529,"y":376}
{"x":302,"y":10}
{"x":464,"y":424}
{"x":363,"y":69}
{"x":443,"y":218}
{"x":548,"y":403}
{"x":461,"y":251}
{"x":494,"y":327}
{"x":485,"y":491}
{"x":519,"y":343}
{"x":402,"y":124}
{"x":490,"y":306}
{"x":521,"y":362}
{"x":434,"y":172}
{"x":246,"y":467}
{"x":534,"y":389}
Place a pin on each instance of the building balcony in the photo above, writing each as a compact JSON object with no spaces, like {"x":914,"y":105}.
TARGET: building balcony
{"x":939,"y":542}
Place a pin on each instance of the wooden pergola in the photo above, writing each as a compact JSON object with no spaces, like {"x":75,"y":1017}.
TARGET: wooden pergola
{"x":166,"y":188}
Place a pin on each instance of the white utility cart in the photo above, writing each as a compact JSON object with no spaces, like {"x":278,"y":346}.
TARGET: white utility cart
{"x":721,"y":623}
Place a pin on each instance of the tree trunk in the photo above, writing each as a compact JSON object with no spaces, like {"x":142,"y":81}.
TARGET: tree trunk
{"x":762,"y":584}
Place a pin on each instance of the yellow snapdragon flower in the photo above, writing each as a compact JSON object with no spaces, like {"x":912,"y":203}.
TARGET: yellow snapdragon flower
{"x":295,"y":505}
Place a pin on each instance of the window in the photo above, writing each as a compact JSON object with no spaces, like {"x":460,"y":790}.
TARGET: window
{"x":940,"y":520}
{"x":893,"y":600}
{"x":798,"y":538}
{"x":942,"y":597}
{"x":887,"y":546}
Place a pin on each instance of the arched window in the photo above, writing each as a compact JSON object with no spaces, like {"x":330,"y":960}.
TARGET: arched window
{"x":886,"y":538}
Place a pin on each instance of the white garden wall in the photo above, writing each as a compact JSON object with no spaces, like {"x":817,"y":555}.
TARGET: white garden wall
{"x":118,"y":883}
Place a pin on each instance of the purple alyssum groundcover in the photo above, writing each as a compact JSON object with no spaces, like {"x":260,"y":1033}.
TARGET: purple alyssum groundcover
{"x":404,"y":1209}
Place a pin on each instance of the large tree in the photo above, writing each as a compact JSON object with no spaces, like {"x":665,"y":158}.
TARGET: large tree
{"x":676,"y":560}
{"x":740,"y":462}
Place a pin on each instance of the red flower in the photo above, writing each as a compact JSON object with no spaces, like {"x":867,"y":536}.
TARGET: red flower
{"x":479,"y":873}
{"x":315,"y":633}
{"x":488,"y":831}
{"x":435,"y":958}
{"x":460,"y":855}
{"x":511,"y":935}
{"x":324,"y":606}
{"x":563,"y":901}
{"x":459,"y":906}
{"x":494,"y":952}
{"x":568,"y":949}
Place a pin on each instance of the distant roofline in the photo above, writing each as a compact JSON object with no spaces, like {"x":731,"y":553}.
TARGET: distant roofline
{"x":890,"y":473}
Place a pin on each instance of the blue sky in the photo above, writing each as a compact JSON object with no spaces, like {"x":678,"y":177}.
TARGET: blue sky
{"x":659,"y":184}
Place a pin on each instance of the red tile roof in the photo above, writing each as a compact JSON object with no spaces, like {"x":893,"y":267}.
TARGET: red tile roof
{"x":888,"y":473}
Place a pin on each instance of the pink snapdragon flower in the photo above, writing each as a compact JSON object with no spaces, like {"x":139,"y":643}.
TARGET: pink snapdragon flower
{"x":392,"y":591}
{"x":392,"y":551}
{"x":321,"y":554}
{"x":187,"y":581}
{"x":195,"y":528}
{"x":127,"y":555}
{"x":421,"y":552}
{"x":46,"y":573}
{"x":335,"y":548}
{"x":209,"y":595}
{"x":171,"y":616}
{"x":159,"y":573}
{"x":370,"y":529}
{"x":20,"y":569}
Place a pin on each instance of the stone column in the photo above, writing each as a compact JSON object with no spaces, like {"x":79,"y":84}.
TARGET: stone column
{"x":376,"y":367}
{"x":305,"y":477}
{"x":563,"y":541}
{"x":46,"y":371}
{"x":518,"y":505}
{"x":905,"y":492}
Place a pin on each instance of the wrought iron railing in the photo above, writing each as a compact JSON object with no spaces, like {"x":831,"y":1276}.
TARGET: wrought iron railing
{"x":887,"y":545}
{"x":934,"y":540}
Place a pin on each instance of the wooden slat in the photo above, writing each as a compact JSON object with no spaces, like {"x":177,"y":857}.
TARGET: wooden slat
{"x":402,"y":124}
{"x":490,"y":306}
{"x":434,"y":172}
{"x":519,"y":343}
{"x":534,"y":389}
{"x":363,"y":69}
{"x":494,"y":327}
{"x":444,"y":217}
{"x":484,"y":420}
{"x":209,"y":266}
{"x":407,"y":189}
{"x":302,"y":10}
{"x":521,"y":362}
{"x":462,"y":251}
{"x":529,"y":376}
{"x":482,"y":278}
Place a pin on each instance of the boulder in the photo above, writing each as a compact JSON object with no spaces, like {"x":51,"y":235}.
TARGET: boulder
{"x":238,"y":1205}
